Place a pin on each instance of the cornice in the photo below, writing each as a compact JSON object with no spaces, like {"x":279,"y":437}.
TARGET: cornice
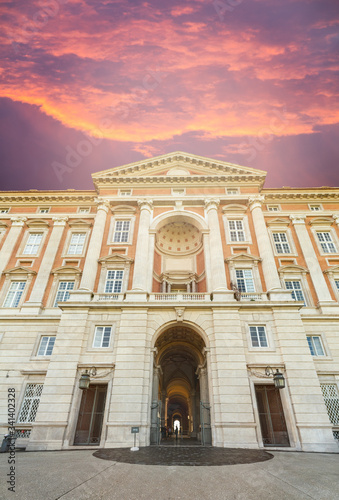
{"x":48,"y":198}
{"x":300,"y":195}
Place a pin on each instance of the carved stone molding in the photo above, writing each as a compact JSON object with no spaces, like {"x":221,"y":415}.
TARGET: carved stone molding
{"x":212,"y":203}
{"x":145,"y":204}
{"x":60,"y":221}
{"x":179,"y":311}
{"x":298,"y":219}
{"x":256,"y":201}
{"x":18,"y":221}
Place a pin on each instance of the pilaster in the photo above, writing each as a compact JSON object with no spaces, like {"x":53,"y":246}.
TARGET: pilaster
{"x":10,"y":241}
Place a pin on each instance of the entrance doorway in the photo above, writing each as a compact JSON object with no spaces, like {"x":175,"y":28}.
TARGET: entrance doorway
{"x":91,"y":414}
{"x":271,"y":415}
{"x":179,"y":386}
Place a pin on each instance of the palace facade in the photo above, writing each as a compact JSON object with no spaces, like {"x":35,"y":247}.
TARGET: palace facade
{"x":178,"y":287}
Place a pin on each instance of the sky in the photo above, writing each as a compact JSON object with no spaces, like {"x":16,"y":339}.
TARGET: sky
{"x":88,"y":85}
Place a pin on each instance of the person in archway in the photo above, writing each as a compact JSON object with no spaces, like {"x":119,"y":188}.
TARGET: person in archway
{"x":176,"y":433}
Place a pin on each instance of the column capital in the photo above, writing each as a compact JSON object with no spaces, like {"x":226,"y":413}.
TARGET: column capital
{"x":102,"y":204}
{"x":145,"y":204}
{"x":212,"y":203}
{"x":18,"y":221}
{"x":60,"y":221}
{"x":256,"y":201}
{"x":336,"y":218}
{"x":298,"y":219}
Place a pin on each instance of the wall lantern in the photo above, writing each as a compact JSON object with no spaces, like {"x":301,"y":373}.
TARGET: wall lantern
{"x":278,"y":378}
{"x":85,"y":378}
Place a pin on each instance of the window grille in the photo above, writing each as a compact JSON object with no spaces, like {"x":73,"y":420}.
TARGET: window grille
{"x":245,"y":281}
{"x":77,"y":243}
{"x":315,"y":345}
{"x":14,"y":293}
{"x":331,"y":398}
{"x":121,"y":231}
{"x":232,"y":191}
{"x":30,"y":403}
{"x":63,"y":291}
{"x":102,"y":336}
{"x":114,"y":281}
{"x":22,"y":433}
{"x":33,"y":243}
{"x":336,"y":283}
{"x":258,"y":336}
{"x":236,"y":230}
{"x":281,"y":243}
{"x":326,"y":243}
{"x":125,"y":192}
{"x":297,"y":292}
{"x":315,"y":208}
{"x":273,"y":208}
{"x":84,"y":210}
{"x":46,"y":346}
{"x":44,"y":210}
{"x":4,"y":210}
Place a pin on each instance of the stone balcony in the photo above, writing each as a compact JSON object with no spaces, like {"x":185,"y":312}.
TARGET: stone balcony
{"x":177,"y":297}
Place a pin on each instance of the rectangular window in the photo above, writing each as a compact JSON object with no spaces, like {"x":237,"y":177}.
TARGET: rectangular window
{"x":297,"y":292}
{"x":114,"y":281}
{"x":315,"y":345}
{"x":258,"y":336}
{"x":336,"y":283}
{"x":63,"y":291}
{"x":121,"y":231}
{"x":125,"y":192}
{"x":245,"y":281}
{"x":33,"y":243}
{"x":14,"y":293}
{"x":326,"y":242}
{"x":30,"y":404}
{"x":102,"y":336}
{"x":4,"y":210}
{"x":237,"y":232}
{"x":273,"y":208}
{"x":76,"y":245}
{"x":232,"y":191}
{"x":44,"y":210}
{"x":46,"y":346}
{"x":315,"y":208}
{"x":331,"y":398}
{"x":281,"y":243}
{"x":83,"y":210}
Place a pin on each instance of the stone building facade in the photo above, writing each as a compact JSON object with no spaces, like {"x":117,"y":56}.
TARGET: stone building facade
{"x":173,"y":284}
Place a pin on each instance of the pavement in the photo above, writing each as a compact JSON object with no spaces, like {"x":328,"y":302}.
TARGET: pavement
{"x":79,"y":475}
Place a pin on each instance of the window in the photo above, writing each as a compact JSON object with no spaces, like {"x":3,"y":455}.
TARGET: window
{"x":121,"y":231}
{"x":33,"y":243}
{"x":125,"y":192}
{"x":114,"y":281}
{"x":232,"y":191}
{"x":102,"y":336}
{"x":83,"y":210}
{"x":331,"y":398}
{"x":315,"y":208}
{"x":245,"y":281}
{"x":14,"y":293}
{"x":326,"y":243}
{"x":337,"y":284}
{"x":178,"y":191}
{"x":76,"y":245}
{"x":63,"y":291}
{"x":281,"y":243}
{"x":30,"y":403}
{"x":236,"y":230}
{"x":258,"y":336}
{"x":273,"y":208}
{"x":315,"y":345}
{"x":4,"y":210}
{"x":44,"y":210}
{"x":46,"y":346}
{"x":297,"y":292}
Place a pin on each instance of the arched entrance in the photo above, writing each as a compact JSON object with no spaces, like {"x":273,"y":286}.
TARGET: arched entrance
{"x":180,"y":388}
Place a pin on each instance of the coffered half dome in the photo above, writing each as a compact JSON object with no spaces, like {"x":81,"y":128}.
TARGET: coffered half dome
{"x":178,"y":238}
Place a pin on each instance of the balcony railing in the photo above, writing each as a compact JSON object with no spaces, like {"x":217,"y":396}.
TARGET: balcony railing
{"x":252,"y":296}
{"x":99,"y":297}
{"x":175,"y":297}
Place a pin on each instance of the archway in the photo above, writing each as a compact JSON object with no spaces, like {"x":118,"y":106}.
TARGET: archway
{"x":180,"y":386}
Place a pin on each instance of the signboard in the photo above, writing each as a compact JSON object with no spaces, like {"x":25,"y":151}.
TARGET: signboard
{"x":134,"y":430}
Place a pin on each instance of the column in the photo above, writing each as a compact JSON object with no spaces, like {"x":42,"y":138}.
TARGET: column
{"x":194,"y":429}
{"x":141,"y":263}
{"x":208,"y":272}
{"x":94,"y":248}
{"x":10,"y":241}
{"x":264,"y":244}
{"x":151,"y":245}
{"x":155,"y":407}
{"x":218,"y":275}
{"x":311,"y":259}
{"x":47,"y":263}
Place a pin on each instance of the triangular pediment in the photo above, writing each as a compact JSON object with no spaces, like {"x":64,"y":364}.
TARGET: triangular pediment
{"x":116,"y":258}
{"x":178,"y":165}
